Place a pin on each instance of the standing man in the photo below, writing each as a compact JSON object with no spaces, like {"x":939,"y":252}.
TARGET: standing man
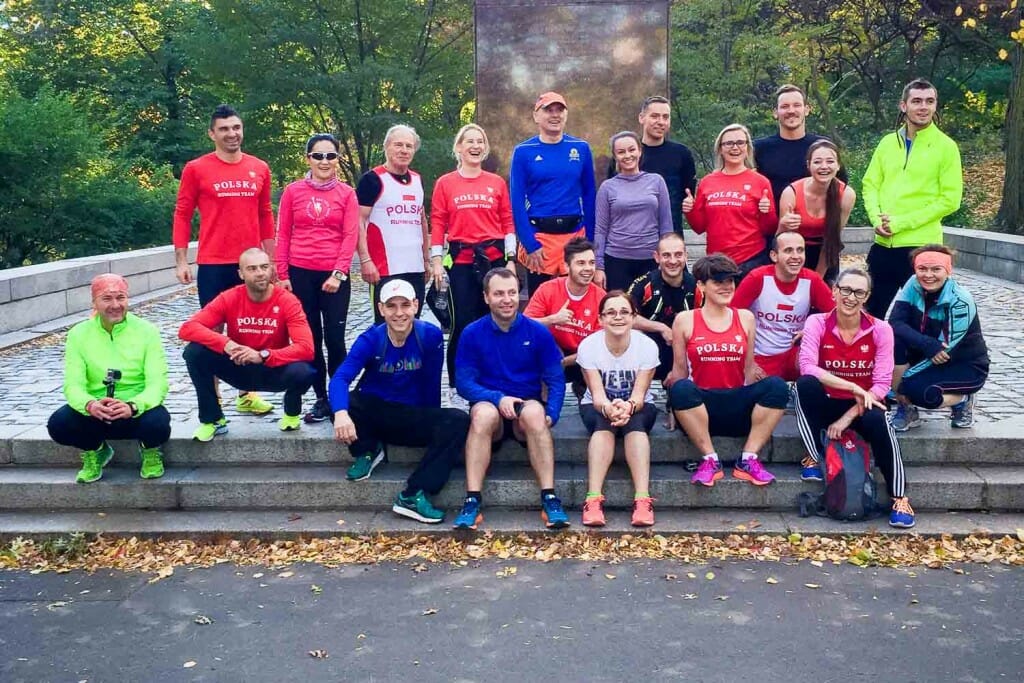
{"x":552,"y":188}
{"x":672,"y":160}
{"x":914,"y":180}
{"x":268,"y":345}
{"x":661,"y":294}
{"x":398,"y":400}
{"x":231,"y":189}
{"x":393,"y":241}
{"x":781,"y":297}
{"x":782,"y":158}
{"x":115,"y":383}
{"x":570,"y":306}
{"x":504,"y":364}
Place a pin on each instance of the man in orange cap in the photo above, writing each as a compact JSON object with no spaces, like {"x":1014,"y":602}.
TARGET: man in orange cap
{"x":115,"y":382}
{"x":552,"y":191}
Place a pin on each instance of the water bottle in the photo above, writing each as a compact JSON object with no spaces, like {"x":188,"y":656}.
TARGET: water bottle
{"x":442,"y":294}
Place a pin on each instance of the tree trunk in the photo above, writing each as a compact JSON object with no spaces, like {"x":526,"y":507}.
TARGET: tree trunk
{"x":1011,"y":212}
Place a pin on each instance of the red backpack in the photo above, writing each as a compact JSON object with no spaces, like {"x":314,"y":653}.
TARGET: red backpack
{"x":850,"y":492}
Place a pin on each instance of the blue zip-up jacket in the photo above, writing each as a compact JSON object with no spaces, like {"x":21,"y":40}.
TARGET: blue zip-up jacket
{"x":410,"y":375}
{"x":491,"y":364}
{"x":551,"y":179}
{"x":950,"y":319}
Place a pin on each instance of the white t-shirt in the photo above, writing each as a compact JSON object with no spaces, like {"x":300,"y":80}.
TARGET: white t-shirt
{"x":618,"y":372}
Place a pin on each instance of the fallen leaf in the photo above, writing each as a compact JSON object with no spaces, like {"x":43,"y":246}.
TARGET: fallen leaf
{"x":771,"y":580}
{"x":188,"y":665}
{"x":609,"y":576}
{"x":689,"y":596}
{"x":315,"y":589}
{"x":285,"y":575}
{"x":1020,"y":535}
{"x":203,"y":620}
{"x":340,"y":522}
{"x":710,"y":576}
{"x":294,"y":517}
{"x":671,"y":577}
{"x":812,"y":585}
{"x":691,"y":575}
{"x":318,"y":654}
{"x":428,"y":612}
{"x":361,"y":636}
{"x":794,"y":538}
{"x":258,"y":575}
{"x":721,"y":597}
{"x":163,"y":573}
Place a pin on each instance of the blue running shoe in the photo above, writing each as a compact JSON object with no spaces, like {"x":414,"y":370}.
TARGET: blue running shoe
{"x":810,"y":470}
{"x":552,"y":513}
{"x":905,"y":417}
{"x":470,"y":515}
{"x":902,"y":515}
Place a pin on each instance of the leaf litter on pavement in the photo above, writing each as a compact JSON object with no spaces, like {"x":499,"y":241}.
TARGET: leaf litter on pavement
{"x":158,"y":557}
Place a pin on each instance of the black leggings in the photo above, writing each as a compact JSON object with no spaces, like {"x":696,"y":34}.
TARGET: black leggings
{"x":890,"y":268}
{"x":813,"y":253}
{"x":466,"y":303}
{"x":69,"y":427}
{"x":620,"y":272}
{"x":442,"y":430}
{"x":926,"y":388}
{"x":327,"y":314}
{"x":815,"y":411}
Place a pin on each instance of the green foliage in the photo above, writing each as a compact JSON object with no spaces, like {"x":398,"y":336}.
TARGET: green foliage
{"x":64,"y":548}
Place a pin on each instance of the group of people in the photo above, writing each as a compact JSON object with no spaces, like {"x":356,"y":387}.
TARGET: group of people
{"x":612,"y":303}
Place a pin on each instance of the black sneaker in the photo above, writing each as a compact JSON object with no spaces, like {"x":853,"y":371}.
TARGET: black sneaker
{"x":320,"y":412}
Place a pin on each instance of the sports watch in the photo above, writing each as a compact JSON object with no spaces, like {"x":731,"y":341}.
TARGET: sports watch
{"x":338,"y":275}
{"x":264,"y":354}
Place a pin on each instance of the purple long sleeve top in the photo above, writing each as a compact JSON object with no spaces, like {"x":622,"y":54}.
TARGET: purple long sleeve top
{"x":632,"y":213}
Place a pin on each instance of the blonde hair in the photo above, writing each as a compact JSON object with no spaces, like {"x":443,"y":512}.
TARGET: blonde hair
{"x":461,"y":134}
{"x":748,"y":161}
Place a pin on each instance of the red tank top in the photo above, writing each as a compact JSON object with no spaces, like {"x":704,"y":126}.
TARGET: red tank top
{"x":717,"y":359}
{"x":811,"y":227}
{"x":853,"y":362}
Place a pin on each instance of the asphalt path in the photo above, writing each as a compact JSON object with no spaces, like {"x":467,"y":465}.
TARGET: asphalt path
{"x":516,"y":621}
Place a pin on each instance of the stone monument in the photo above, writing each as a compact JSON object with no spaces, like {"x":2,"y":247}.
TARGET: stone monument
{"x":604,"y":56}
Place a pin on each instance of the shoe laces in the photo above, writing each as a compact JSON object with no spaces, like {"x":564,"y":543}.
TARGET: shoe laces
{"x":707,"y":465}
{"x":591,"y":503}
{"x":902,"y":505}
{"x":752,"y":465}
{"x":645,"y":504}
{"x":808,"y":461}
{"x":553,"y":503}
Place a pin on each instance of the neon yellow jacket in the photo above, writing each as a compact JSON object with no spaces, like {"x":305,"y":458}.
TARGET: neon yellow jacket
{"x":133,"y":347}
{"x":916,"y":190}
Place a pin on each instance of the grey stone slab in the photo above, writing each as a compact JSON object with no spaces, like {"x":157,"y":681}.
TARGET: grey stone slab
{"x":159,"y":279}
{"x":1002,"y":268}
{"x":142,"y":261}
{"x":55,"y":489}
{"x":11,"y":339}
{"x":22,"y":313}
{"x":1003,"y":246}
{"x":8,"y":433}
{"x":58,"y":276}
{"x":5,"y":291}
{"x":971,"y":261}
{"x":945,"y":488}
{"x":1004,"y":487}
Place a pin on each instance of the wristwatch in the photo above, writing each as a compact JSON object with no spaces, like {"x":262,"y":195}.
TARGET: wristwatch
{"x":135,"y":408}
{"x":338,"y":275}
{"x":265,"y":354}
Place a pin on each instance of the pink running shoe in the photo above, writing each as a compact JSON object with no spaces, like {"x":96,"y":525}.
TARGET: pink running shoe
{"x":593,"y":511}
{"x":753,"y":471}
{"x":643,"y":512}
{"x":708,"y":473}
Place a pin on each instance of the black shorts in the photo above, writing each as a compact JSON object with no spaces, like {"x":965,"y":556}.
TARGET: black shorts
{"x":729,"y":410}
{"x":214,"y":278}
{"x":641,"y":421}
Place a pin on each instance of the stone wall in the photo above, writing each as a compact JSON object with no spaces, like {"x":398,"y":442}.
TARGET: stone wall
{"x":37,"y":294}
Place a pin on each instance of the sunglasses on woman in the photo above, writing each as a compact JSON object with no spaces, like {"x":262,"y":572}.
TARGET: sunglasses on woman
{"x":320,"y":156}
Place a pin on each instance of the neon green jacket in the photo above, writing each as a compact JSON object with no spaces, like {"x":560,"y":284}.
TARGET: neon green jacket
{"x":133,"y":347}
{"x":916,"y":190}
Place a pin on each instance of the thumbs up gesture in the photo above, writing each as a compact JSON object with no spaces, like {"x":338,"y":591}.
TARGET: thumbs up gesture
{"x":562,"y":316}
{"x":790,"y":221}
{"x":764,"y":205}
{"x":688,"y":201}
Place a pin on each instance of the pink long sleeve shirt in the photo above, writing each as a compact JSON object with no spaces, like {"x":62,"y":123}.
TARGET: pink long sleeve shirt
{"x":316,"y":229}
{"x":867,"y":361}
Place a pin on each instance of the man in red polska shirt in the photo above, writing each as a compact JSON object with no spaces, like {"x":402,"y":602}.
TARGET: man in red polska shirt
{"x":268,"y":345}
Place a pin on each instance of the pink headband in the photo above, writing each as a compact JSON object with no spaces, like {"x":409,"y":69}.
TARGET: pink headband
{"x":108,"y":282}
{"x":935,"y":258}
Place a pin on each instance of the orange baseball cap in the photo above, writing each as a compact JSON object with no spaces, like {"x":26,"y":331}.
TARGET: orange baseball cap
{"x":549,"y":98}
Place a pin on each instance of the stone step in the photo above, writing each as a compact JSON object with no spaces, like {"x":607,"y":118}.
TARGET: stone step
{"x":257,"y":441}
{"x":948,"y":487}
{"x":213,"y":525}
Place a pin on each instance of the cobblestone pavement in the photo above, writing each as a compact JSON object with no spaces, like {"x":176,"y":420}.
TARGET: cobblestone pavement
{"x":32,"y":372}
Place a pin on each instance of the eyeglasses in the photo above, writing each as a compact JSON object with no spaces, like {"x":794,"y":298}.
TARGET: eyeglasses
{"x":320,"y":156}
{"x":734,"y":143}
{"x":624,"y":313}
{"x":858,"y":294}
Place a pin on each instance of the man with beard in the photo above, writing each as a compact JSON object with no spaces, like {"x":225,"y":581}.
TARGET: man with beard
{"x":268,"y":346}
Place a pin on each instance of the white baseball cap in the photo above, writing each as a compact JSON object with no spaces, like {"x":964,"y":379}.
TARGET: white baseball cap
{"x":393,"y":288}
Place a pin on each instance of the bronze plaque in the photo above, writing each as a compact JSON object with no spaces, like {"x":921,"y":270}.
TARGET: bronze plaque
{"x":603,"y":57}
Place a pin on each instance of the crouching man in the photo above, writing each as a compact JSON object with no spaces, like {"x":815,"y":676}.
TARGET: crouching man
{"x":398,"y":401}
{"x":115,"y":382}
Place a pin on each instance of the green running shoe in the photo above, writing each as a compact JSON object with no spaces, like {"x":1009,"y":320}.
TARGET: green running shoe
{"x":252,"y":403}
{"x":418,"y":507}
{"x":152,"y":463}
{"x":93,"y":463}
{"x":289,"y":423}
{"x":364,"y":465}
{"x":207,"y":430}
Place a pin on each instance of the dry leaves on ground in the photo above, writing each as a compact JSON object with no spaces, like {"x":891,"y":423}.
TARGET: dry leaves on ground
{"x":160,"y":557}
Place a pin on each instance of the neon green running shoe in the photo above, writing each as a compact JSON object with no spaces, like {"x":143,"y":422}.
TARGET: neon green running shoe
{"x":289,"y":423}
{"x":252,"y":403}
{"x":207,"y":430}
{"x":93,"y":463}
{"x":152,"y":463}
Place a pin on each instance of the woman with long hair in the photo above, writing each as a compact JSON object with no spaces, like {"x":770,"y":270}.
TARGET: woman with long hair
{"x":846,"y":363}
{"x":818,"y":207}
{"x":734,"y":203}
{"x":317,"y":230}
{"x":618,"y":365}
{"x":470,"y":209}
{"x":633,"y":212}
